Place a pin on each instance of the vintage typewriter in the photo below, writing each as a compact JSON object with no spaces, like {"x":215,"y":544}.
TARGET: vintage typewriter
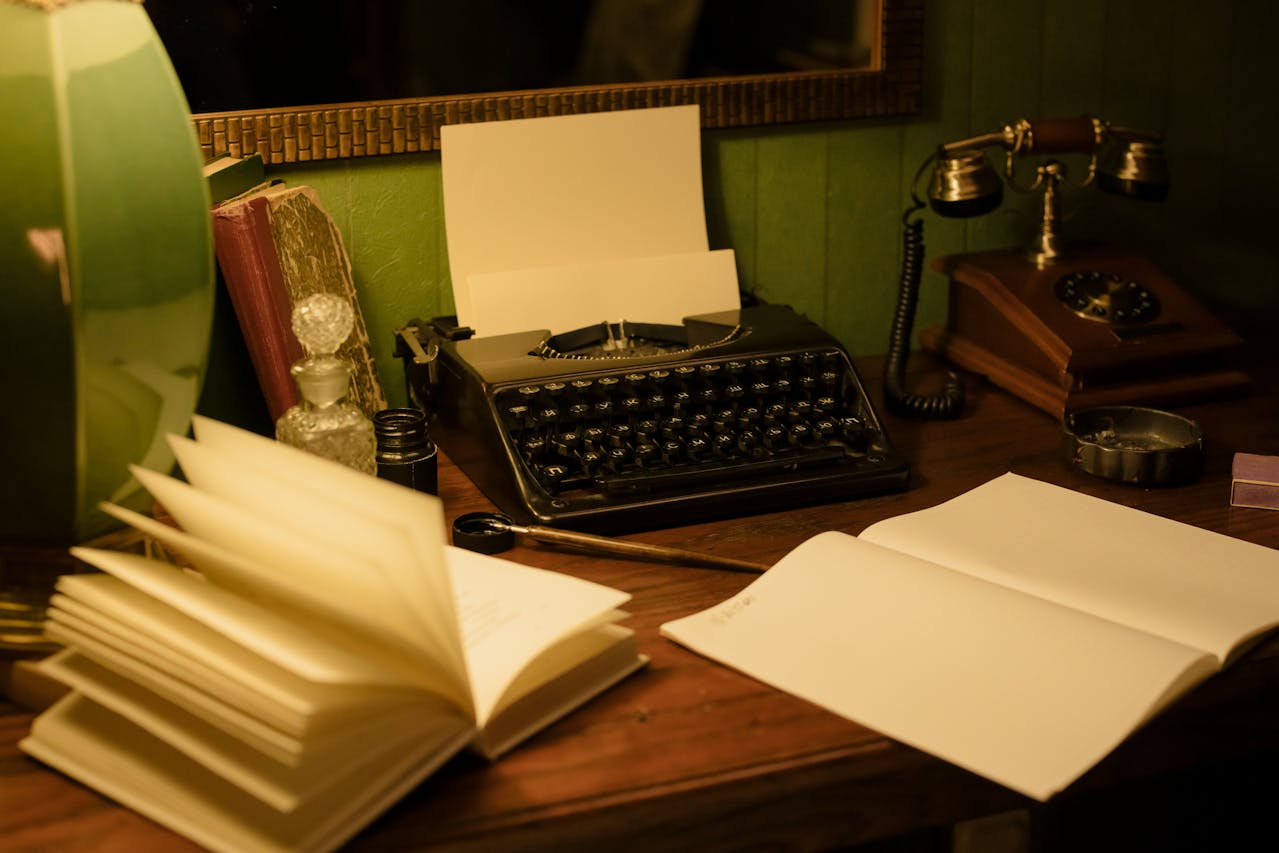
{"x":626,"y":426}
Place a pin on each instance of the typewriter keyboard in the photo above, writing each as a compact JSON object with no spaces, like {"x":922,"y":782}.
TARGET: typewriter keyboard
{"x":689,"y":425}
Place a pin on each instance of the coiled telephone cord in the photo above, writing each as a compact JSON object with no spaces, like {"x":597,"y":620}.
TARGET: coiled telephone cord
{"x":950,"y":402}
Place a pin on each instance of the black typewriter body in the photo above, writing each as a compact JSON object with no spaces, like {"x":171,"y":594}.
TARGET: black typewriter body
{"x":750,"y":410}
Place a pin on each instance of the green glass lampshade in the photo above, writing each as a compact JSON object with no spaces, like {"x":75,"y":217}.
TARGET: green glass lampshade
{"x":106,"y":263}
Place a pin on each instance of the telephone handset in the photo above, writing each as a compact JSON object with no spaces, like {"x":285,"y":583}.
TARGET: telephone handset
{"x":1062,"y":327}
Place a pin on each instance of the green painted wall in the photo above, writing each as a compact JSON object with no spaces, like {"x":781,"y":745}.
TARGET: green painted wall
{"x":813,"y":211}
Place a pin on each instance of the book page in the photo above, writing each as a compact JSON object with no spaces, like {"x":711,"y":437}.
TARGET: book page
{"x":304,"y":586}
{"x":115,"y":645}
{"x":299,"y":532}
{"x":271,"y":734}
{"x":569,"y":674}
{"x":510,"y":613}
{"x":577,"y":189}
{"x":128,"y":764}
{"x":257,"y":629}
{"x":1171,"y":579}
{"x":228,"y":664}
{"x":1023,"y":691}
{"x":284,"y":785}
{"x":412,"y":522}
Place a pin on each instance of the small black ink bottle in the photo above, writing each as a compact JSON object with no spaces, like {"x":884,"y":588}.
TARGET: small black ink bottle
{"x":405,"y":452}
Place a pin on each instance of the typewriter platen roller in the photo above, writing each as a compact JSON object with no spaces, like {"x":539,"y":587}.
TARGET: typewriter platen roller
{"x":626,"y":427}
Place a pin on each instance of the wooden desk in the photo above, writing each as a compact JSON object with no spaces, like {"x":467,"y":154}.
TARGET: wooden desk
{"x":690,"y":755}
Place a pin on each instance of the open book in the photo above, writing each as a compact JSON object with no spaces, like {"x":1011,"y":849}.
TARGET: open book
{"x":1020,"y":630}
{"x":325,"y":654}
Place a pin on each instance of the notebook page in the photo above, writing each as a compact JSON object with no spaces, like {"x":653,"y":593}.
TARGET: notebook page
{"x":1020,"y":690}
{"x":1139,"y":569}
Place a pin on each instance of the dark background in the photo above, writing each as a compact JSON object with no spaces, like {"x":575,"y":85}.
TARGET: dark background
{"x":249,"y":54}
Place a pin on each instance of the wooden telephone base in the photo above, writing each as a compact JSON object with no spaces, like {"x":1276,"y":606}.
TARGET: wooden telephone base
{"x":1099,"y":327}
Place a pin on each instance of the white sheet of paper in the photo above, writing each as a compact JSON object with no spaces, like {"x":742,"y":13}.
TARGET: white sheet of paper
{"x":582,"y":189}
{"x":672,"y":287}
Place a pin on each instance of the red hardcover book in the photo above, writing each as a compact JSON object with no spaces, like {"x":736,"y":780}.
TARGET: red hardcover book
{"x":250,"y":266}
{"x":276,"y":246}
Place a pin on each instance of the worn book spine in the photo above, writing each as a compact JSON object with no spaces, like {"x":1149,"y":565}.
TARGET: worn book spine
{"x":313,"y":259}
{"x":246,"y":255}
{"x":274,"y":250}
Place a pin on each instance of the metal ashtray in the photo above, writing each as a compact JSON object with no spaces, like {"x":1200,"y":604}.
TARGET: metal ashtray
{"x":1131,"y":444}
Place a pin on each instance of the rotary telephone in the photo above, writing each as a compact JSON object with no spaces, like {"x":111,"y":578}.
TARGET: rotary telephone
{"x":1063,"y":327}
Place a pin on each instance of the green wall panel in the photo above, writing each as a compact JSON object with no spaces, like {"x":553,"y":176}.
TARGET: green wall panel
{"x":1247,"y":251}
{"x":1007,"y":54}
{"x":946,"y":116}
{"x":790,"y":216}
{"x":1138,"y":61}
{"x":863,"y":212}
{"x":1072,"y":56}
{"x":728,"y":170}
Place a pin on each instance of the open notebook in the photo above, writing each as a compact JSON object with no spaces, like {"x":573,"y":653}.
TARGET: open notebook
{"x":1020,"y":630}
{"x":326,"y":653}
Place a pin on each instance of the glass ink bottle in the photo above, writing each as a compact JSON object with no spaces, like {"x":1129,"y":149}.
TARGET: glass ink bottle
{"x":323,"y":422}
{"x":405,"y":452}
